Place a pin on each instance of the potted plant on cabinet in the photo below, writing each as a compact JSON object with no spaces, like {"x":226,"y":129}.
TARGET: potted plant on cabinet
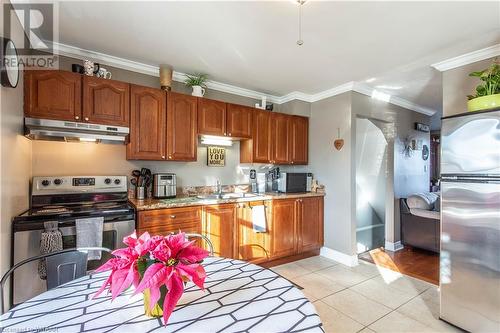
{"x":488,"y":92}
{"x":197,"y":82}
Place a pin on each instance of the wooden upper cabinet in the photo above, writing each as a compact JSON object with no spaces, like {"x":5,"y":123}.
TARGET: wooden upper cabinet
{"x":283,"y":234}
{"x":280,"y":140}
{"x":219,"y":222}
{"x":239,"y":121}
{"x":310,"y":223}
{"x":52,"y":94}
{"x":147,"y":123}
{"x":299,"y":134}
{"x":182,"y":137}
{"x":211,"y":117}
{"x":105,"y":101}
{"x":258,"y":150}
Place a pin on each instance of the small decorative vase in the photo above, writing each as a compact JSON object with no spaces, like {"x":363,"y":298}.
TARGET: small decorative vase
{"x":484,"y":103}
{"x":198,"y":91}
{"x":156,"y":312}
{"x":166,"y":73}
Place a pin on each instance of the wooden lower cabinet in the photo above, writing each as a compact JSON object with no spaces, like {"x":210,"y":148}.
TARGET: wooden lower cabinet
{"x":219,"y":224}
{"x":171,"y":220}
{"x":283,"y":232}
{"x":294,"y":226}
{"x":252,"y":246}
{"x":309,"y":223}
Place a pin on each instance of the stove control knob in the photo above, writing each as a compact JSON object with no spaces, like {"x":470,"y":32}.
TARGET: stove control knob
{"x":57,"y":181}
{"x":107,"y":181}
{"x":45,"y":182}
{"x":117,"y":181}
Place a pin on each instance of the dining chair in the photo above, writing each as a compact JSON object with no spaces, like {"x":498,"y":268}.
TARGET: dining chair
{"x":62,"y":266}
{"x":205,"y":238}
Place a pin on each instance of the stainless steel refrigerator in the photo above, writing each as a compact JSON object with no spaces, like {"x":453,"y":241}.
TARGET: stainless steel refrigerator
{"x":470,"y":221}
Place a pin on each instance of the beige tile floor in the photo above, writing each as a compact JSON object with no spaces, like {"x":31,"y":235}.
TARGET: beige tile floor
{"x":366,"y":298}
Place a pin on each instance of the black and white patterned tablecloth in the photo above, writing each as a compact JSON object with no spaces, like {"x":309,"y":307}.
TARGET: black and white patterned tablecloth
{"x":239,"y":297}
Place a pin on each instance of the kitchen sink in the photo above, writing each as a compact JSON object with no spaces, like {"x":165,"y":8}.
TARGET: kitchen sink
{"x":227,"y":196}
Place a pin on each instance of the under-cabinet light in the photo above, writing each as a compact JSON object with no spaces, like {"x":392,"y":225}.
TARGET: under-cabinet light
{"x":216,"y":141}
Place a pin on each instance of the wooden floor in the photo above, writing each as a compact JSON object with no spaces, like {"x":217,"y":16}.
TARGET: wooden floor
{"x":414,"y":262}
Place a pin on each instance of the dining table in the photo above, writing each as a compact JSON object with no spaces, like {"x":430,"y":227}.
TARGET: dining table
{"x":238,"y":297}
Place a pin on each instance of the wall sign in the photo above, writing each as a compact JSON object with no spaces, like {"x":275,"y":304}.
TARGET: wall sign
{"x":216,"y":156}
{"x":422,"y":127}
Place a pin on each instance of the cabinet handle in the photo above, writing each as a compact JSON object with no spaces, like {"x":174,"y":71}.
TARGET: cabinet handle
{"x":76,"y":117}
{"x":229,"y":134}
{"x":292,"y":162}
{"x":173,"y":216}
{"x":169,"y":157}
{"x":163,"y":156}
{"x":86,"y":118}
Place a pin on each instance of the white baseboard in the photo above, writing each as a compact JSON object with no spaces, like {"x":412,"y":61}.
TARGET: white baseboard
{"x":393,"y":246}
{"x":340,"y":257}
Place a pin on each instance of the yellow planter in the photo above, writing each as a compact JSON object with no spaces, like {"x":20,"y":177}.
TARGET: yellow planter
{"x":156,"y":312}
{"x":484,"y":103}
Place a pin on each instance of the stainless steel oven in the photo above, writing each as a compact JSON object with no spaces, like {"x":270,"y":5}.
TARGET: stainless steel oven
{"x":64,"y":200}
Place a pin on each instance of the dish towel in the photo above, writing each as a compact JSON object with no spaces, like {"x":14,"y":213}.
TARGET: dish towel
{"x":259,"y":218}
{"x":89,"y":234}
{"x":50,"y":241}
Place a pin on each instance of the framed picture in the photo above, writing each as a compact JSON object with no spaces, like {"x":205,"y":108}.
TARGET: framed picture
{"x":216,"y":156}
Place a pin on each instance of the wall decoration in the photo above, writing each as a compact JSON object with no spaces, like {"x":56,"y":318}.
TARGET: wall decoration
{"x":407,"y":147}
{"x":422,"y":127}
{"x":216,"y":156}
{"x":9,"y":63}
{"x":338,"y":143}
{"x":425,"y":153}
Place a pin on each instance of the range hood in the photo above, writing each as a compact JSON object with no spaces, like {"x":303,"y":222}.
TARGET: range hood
{"x":57,"y":130}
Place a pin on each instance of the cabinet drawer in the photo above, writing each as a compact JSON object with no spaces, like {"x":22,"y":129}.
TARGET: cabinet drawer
{"x":173,"y":217}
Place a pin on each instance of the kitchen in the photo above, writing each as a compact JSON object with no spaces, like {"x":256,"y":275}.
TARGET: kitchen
{"x":258,"y":178}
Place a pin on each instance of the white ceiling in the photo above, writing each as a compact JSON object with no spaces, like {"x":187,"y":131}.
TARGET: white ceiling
{"x":253,"y":44}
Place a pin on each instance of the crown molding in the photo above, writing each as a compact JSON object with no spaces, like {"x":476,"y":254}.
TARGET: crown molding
{"x":153,"y":70}
{"x":468,"y":58}
{"x":368,"y":91}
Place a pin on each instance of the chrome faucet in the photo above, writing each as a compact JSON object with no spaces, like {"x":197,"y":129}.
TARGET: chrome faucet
{"x":218,"y":189}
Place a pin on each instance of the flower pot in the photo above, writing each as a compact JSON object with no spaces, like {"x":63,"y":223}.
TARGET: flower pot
{"x":198,"y":91}
{"x":156,"y":312}
{"x":484,"y":103}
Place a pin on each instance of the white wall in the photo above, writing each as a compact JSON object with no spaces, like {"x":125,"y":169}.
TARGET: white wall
{"x":333,"y":168}
{"x":15,"y":151}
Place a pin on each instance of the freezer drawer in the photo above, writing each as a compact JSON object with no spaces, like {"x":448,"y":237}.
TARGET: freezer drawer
{"x":470,"y":255}
{"x":471,"y":144}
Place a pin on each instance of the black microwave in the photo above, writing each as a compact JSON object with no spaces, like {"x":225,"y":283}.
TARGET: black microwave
{"x":293,"y":182}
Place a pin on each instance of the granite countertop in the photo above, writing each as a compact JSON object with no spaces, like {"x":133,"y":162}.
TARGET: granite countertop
{"x":185,"y":201}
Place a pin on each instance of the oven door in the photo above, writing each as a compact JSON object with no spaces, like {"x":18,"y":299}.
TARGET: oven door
{"x":26,"y":282}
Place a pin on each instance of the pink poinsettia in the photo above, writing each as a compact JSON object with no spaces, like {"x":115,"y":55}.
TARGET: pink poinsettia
{"x":163,"y":262}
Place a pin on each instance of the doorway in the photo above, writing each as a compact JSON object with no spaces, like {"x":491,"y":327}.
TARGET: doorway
{"x":371,"y":180}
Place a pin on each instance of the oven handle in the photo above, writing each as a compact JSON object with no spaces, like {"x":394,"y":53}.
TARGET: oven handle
{"x":71,"y":231}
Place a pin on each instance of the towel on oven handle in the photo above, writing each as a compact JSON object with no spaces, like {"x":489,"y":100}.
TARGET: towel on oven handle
{"x":89,"y":234}
{"x":50,"y":241}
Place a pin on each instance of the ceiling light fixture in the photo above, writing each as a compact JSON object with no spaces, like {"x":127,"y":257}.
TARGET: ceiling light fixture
{"x":300,"y":3}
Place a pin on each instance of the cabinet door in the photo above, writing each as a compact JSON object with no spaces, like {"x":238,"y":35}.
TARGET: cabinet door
{"x":53,"y":95}
{"x":211,"y":117}
{"x":252,"y":246}
{"x":182,"y":139}
{"x":310,"y":223}
{"x":147,"y":123}
{"x":299,"y":134}
{"x":239,"y":121}
{"x":280,"y":124}
{"x":262,"y":137}
{"x":218,"y":224}
{"x":105,"y":101}
{"x":283,"y":235}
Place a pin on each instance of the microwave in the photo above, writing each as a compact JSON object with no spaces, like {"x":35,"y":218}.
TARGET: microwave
{"x":292,"y":182}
